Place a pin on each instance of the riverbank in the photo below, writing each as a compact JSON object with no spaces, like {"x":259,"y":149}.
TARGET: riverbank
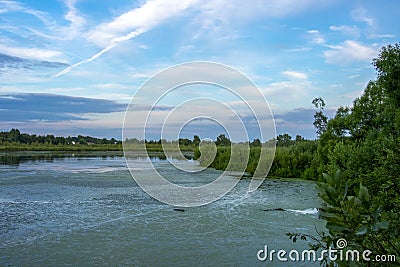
{"x":83,"y":147}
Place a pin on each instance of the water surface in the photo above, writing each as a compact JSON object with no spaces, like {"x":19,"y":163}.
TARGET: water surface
{"x":86,"y":210}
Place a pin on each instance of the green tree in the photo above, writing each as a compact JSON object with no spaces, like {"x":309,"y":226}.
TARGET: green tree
{"x":256,"y":142}
{"x":14,"y":135}
{"x":222,"y":140}
{"x":320,"y":119}
{"x":387,"y":65}
{"x":184,"y":142}
{"x":284,"y":140}
{"x":196,"y":140}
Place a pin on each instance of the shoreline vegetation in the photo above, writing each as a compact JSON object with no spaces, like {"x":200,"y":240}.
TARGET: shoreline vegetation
{"x":293,"y":158}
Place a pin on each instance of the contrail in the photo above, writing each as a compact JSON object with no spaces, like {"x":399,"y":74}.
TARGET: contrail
{"x":143,"y":18}
{"x":113,"y":43}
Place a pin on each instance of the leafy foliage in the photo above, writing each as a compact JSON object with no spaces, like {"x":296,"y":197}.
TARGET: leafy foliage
{"x":293,"y":158}
{"x":320,"y":119}
{"x":359,"y":148}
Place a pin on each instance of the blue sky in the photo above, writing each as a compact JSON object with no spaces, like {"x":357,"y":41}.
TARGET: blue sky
{"x":70,"y":67}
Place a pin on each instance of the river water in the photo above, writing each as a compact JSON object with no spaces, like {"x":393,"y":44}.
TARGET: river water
{"x":86,"y":210}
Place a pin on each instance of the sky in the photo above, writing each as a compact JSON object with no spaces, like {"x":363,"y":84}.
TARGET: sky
{"x":70,"y":67}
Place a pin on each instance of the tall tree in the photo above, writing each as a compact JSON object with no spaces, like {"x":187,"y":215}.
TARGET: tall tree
{"x":320,"y":119}
{"x":222,"y":140}
{"x":196,"y":140}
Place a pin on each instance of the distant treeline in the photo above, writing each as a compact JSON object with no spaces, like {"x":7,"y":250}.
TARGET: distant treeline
{"x":15,"y":136}
{"x":182,"y":141}
{"x":221,"y":140}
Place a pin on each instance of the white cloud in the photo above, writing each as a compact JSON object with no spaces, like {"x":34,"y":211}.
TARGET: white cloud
{"x":285,"y":95}
{"x":44,"y":35}
{"x":360,"y":14}
{"x":143,"y":18}
{"x":299,"y":49}
{"x":52,"y":31}
{"x":7,"y":6}
{"x":349,"y":30}
{"x":114,"y":86}
{"x":112,"y":44}
{"x":348,"y":52}
{"x":131,"y":24}
{"x":77,"y":22}
{"x":295,"y":75}
{"x":376,"y":35}
{"x":62,"y":90}
{"x":30,"y":53}
{"x":206,"y":13}
{"x":316,"y":37}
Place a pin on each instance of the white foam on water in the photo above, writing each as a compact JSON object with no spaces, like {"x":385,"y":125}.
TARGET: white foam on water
{"x":306,"y":211}
{"x":98,"y":170}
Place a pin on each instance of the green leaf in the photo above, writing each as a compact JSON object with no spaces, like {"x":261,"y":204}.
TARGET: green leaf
{"x":336,"y":228}
{"x":362,"y":230}
{"x":380,"y":225}
{"x":363,"y":194}
{"x":377,"y":213}
{"x":338,"y":177}
{"x":354,"y":201}
{"x":345,"y":191}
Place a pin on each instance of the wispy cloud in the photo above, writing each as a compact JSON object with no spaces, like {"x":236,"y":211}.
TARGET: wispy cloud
{"x":316,"y":37}
{"x":286,"y":94}
{"x":155,"y":12}
{"x":7,"y":6}
{"x":143,"y":18}
{"x":112,"y":44}
{"x":9,"y":63}
{"x":131,"y":24}
{"x":360,"y":14}
{"x":52,"y":31}
{"x":346,"y":29}
{"x":295,"y":75}
{"x":377,"y":35}
{"x":77,"y":22}
{"x":349,"y":51}
{"x":30,"y":53}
